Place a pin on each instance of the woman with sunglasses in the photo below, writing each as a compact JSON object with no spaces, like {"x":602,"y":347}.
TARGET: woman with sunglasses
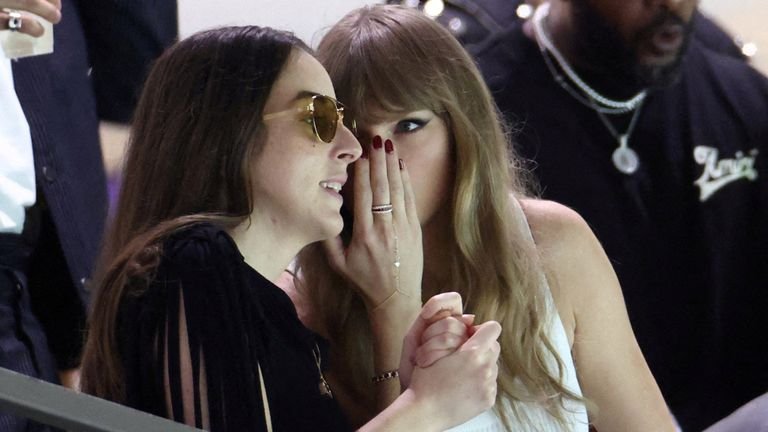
{"x":236,"y":159}
{"x":534,"y":266}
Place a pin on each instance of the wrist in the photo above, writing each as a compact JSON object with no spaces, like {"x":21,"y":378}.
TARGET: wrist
{"x":389,"y":327}
{"x":407,"y":412}
{"x":397,"y":309}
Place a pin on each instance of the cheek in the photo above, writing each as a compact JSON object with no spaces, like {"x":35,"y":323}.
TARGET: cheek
{"x":432,"y":180}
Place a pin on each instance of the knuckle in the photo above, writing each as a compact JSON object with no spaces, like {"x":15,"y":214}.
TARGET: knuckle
{"x":447,"y":339}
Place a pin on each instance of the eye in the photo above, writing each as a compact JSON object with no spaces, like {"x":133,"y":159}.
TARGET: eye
{"x":410,"y":125}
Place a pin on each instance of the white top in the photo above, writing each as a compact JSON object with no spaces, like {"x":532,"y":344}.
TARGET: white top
{"x":17,"y":166}
{"x":538,"y":420}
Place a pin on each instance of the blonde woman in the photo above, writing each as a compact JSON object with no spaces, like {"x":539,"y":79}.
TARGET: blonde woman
{"x":568,"y":354}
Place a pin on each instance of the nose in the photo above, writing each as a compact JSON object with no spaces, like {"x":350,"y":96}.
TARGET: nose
{"x":345,"y":144}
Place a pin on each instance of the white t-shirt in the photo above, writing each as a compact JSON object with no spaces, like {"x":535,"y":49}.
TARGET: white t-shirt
{"x":17,"y":166}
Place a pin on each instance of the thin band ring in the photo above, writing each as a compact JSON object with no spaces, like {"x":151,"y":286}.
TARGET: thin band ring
{"x":14,"y":20}
{"x":381,"y":209}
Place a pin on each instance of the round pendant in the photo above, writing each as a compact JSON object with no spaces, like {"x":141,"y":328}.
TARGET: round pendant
{"x":626,"y":160}
{"x":324,"y":388}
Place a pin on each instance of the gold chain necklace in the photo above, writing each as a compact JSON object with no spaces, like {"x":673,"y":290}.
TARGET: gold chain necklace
{"x":322,"y":385}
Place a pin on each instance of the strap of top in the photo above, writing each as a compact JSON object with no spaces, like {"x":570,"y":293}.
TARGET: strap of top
{"x":525,"y":228}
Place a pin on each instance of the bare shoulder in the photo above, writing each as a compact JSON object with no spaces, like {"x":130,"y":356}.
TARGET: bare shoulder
{"x":573,"y":260}
{"x":564,"y":239}
{"x":556,"y":228}
{"x":591,"y":305}
{"x":566,"y":244}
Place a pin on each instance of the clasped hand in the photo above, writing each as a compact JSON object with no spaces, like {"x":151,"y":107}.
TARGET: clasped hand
{"x":451,"y":361}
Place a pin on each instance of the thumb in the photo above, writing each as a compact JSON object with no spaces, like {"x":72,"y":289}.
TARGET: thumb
{"x":438,"y":306}
{"x":484,"y":334}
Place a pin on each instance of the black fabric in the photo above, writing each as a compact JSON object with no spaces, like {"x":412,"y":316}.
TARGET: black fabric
{"x":60,"y":310}
{"x":694,"y":272}
{"x":23,"y":346}
{"x":235,"y":319}
{"x":57,"y":96}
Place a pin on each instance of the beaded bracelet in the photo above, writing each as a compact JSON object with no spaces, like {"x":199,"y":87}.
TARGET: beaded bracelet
{"x":388,"y":375}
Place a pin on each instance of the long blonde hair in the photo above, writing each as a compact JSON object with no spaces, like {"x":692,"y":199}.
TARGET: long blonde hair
{"x":404,"y":61}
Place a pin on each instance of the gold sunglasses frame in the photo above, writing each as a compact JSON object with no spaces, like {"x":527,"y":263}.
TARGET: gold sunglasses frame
{"x":310,"y":108}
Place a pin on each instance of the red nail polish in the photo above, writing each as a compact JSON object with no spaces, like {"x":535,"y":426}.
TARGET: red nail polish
{"x":401,"y":163}
{"x":377,"y":142}
{"x":388,"y":146}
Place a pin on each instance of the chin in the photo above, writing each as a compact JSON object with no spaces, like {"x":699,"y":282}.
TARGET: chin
{"x":331,"y":229}
{"x":656,"y":74}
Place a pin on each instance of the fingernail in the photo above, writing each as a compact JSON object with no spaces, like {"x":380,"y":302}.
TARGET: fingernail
{"x":388,"y":146}
{"x":377,"y":142}
{"x":402,"y":164}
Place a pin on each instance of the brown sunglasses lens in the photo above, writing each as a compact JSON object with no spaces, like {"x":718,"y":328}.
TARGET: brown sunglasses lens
{"x":325,"y":118}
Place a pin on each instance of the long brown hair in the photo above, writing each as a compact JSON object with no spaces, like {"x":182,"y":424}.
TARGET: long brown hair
{"x":398,"y":59}
{"x":195,"y":133}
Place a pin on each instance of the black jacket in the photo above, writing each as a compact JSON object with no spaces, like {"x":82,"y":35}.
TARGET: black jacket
{"x":102,"y":51}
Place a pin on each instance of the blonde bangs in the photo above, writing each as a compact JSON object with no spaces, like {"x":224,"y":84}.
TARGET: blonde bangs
{"x":375,"y":66}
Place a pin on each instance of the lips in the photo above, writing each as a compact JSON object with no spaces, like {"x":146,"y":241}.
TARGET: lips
{"x":334,"y":184}
{"x":668,"y":39}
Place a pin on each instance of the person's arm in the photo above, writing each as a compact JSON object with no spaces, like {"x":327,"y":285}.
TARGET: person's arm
{"x":384,"y":258}
{"x":610,"y":366}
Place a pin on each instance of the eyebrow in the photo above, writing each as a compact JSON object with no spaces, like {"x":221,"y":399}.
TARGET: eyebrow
{"x":304,"y":94}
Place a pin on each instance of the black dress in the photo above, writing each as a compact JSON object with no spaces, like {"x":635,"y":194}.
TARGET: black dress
{"x":235,"y":318}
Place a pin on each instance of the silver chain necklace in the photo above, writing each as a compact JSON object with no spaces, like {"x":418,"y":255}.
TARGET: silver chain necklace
{"x":545,"y":44}
{"x":624,"y":158}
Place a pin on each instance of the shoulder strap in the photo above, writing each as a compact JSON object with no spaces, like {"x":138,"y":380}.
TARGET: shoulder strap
{"x":520,"y":214}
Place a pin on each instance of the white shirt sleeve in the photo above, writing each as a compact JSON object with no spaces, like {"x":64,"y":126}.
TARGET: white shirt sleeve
{"x":17,"y":166}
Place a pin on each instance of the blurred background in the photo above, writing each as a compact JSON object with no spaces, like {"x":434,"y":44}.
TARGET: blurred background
{"x":746,"y":20}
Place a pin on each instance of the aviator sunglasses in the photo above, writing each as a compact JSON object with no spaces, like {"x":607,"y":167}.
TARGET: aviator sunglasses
{"x":325,"y":113}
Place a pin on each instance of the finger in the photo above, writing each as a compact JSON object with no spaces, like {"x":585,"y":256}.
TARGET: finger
{"x":29,"y":25}
{"x":452,"y":325}
{"x":362,"y":196}
{"x":496,"y":348}
{"x":485,"y":334}
{"x":450,"y":301}
{"x":426,"y":358}
{"x":379,"y":181}
{"x":47,"y":10}
{"x":55,"y":3}
{"x":444,"y":302}
{"x":409,"y":199}
{"x":443,"y":341}
{"x":395,"y":182}
{"x":468,"y":320}
{"x":334,"y":249}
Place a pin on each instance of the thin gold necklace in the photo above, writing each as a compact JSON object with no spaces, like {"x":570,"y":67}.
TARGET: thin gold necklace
{"x":322,"y":385}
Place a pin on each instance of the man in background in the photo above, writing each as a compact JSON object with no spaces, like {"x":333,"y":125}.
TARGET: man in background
{"x":660,"y":143}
